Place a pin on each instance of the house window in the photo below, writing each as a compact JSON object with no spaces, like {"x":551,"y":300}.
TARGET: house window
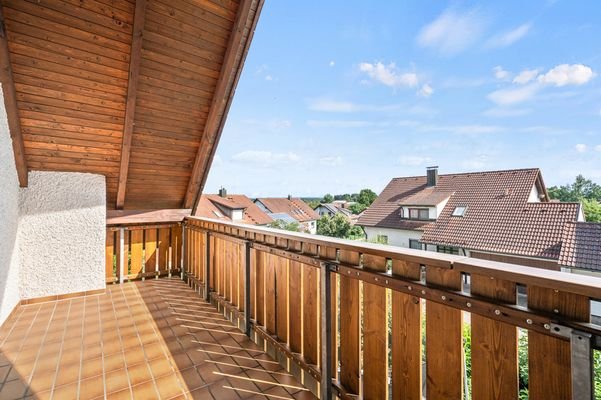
{"x":447,"y":250}
{"x":415,"y":244}
{"x":382,"y":239}
{"x":459,"y":211}
{"x":419,"y":213}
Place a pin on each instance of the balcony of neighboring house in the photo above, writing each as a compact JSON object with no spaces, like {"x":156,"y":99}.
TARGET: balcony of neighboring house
{"x":109,"y":288}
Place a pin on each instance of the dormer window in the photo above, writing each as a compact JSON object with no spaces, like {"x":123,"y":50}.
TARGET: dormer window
{"x":419,"y":213}
{"x":218,"y":214}
{"x":459,"y":211}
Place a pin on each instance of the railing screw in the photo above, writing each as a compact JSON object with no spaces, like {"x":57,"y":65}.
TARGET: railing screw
{"x":409,"y":288}
{"x":376,"y":279}
{"x":529,"y":321}
{"x":547,"y":326}
{"x":497,"y":312}
{"x":357,"y":273}
{"x":469,"y":305}
{"x":386,"y":281}
{"x":423,"y":292}
{"x":443,"y":297}
{"x":556,"y":311}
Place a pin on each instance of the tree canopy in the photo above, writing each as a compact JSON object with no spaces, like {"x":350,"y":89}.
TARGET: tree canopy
{"x":582,"y":190}
{"x":338,"y":226}
{"x":287,"y":226}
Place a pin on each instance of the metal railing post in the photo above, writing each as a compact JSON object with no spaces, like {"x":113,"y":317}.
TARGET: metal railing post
{"x":121,"y":255}
{"x":582,"y":365}
{"x":183,"y":256}
{"x":207,"y":284}
{"x":247,"y":310}
{"x":326,"y":332}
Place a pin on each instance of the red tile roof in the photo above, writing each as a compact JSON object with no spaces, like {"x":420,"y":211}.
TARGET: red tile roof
{"x":498,"y":218}
{"x":294,"y":207}
{"x":209,"y":203}
{"x":581,"y":246}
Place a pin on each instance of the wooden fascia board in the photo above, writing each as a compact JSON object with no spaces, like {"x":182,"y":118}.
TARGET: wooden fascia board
{"x":130,"y":105}
{"x":226,"y":86}
{"x":10,"y":103}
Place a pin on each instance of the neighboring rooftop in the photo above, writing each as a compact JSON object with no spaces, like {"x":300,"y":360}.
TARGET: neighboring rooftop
{"x":498,"y":215}
{"x":293,"y":206}
{"x":581,"y":246}
{"x":215,"y":206}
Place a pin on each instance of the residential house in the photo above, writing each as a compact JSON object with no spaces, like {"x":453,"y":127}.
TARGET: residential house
{"x":231,"y":207}
{"x":334,"y":208}
{"x":499,"y":215}
{"x":581,"y":248}
{"x":293,"y":207}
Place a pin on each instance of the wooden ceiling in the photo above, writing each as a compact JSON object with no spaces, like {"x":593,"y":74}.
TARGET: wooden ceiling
{"x":135,"y":90}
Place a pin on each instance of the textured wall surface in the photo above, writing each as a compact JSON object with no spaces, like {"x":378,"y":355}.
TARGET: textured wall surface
{"x":9,"y":220}
{"x":61,"y":233}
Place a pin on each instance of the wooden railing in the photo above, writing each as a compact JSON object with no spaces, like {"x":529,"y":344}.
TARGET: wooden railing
{"x":353,"y":318}
{"x":143,"y":251}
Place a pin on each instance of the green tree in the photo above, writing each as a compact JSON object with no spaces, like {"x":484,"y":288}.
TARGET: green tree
{"x":287,"y":226}
{"x":582,"y":188}
{"x":592,"y":210}
{"x":313,"y":203}
{"x":366,"y":197}
{"x":338,"y":226}
{"x":328,"y":198}
{"x":357,"y":208}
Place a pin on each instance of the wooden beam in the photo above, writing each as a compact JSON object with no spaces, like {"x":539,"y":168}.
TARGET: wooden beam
{"x":132,"y":91}
{"x":10,"y":103}
{"x":230,"y":73}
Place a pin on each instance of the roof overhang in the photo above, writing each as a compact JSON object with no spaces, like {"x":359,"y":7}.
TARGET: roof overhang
{"x":137,"y":91}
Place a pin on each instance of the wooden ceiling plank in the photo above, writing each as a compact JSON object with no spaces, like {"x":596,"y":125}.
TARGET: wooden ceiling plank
{"x":130,"y":108}
{"x":10,"y":102}
{"x":222,"y":99}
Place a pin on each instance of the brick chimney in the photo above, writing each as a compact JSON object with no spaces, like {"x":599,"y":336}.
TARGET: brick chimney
{"x":222,"y":192}
{"x":432,"y":174}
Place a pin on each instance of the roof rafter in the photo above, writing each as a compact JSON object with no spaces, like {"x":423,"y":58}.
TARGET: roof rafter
{"x":10,"y":102}
{"x":130,"y":106}
{"x":230,"y":73}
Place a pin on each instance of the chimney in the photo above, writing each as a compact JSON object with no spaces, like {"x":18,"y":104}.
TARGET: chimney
{"x":222,"y":192}
{"x":289,"y":197}
{"x":432,"y":174}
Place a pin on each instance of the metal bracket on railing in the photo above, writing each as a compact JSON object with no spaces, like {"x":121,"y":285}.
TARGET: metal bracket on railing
{"x":581,"y":360}
{"x":326,"y":331}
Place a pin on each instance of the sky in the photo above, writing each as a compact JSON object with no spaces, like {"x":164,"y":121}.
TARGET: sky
{"x":338,"y":96}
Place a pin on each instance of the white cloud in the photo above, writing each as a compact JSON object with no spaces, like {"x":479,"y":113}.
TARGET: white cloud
{"x":266,"y":157}
{"x":463,"y":129}
{"x":339,"y":124}
{"x":332,"y":63}
{"x":268,"y":77}
{"x":598,"y":148}
{"x":274,"y":125}
{"x":425,"y":91}
{"x":453,"y":32}
{"x":580,"y":148}
{"x":331,"y":161}
{"x":336,"y":106}
{"x":500,"y":73}
{"x":412,"y":160}
{"x":513,"y":95}
{"x":498,"y":112}
{"x":508,"y":38}
{"x":525,"y":76}
{"x":389,"y":75}
{"x":567,"y":74}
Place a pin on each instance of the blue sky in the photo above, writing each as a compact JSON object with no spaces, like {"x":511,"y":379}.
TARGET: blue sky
{"x":340,"y":95}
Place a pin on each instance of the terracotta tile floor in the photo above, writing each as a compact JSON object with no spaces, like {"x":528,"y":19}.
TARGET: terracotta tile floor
{"x":143,"y":340}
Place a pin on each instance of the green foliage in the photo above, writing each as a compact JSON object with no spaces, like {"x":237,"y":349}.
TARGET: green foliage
{"x":366,"y":197}
{"x":338,"y":226}
{"x":592,"y":210}
{"x":279,"y":224}
{"x":597,"y":373}
{"x":313,"y":203}
{"x":583,"y":190}
{"x":357,"y":208}
{"x":328,"y":198}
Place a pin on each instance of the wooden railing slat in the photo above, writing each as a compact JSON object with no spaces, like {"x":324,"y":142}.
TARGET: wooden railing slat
{"x":494,"y":344}
{"x":549,"y":358}
{"x":150,"y":250}
{"x":406,"y":337}
{"x":444,"y":342}
{"x":375,"y":334}
{"x":349,"y":326}
{"x":109,"y":256}
{"x":137,"y":245}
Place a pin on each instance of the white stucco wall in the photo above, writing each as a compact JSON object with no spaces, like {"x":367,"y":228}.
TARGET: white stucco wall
{"x":9,"y":220}
{"x":62,"y":233}
{"x":396,"y":237}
